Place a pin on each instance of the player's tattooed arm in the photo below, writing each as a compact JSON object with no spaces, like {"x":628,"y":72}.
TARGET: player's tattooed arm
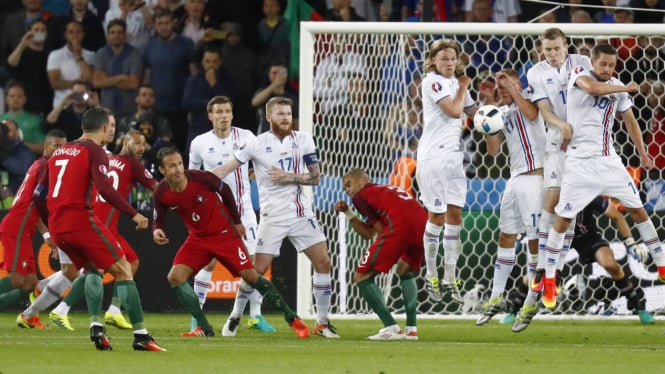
{"x":312,"y":178}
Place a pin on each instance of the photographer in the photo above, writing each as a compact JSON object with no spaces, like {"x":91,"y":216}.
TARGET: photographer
{"x":67,"y":115}
{"x":15,"y":156}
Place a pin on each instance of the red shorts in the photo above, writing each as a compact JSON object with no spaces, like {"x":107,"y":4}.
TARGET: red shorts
{"x":18,"y":254}
{"x":130,"y":254}
{"x":229,"y":250}
{"x":405,"y":243}
{"x":97,"y":245}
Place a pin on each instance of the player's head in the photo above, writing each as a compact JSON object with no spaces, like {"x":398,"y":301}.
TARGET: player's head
{"x":169,"y":163}
{"x":220,"y":113}
{"x":443,"y":58}
{"x":555,"y":47}
{"x":96,"y":120}
{"x":604,"y":61}
{"x":110,"y":135}
{"x":278,"y":114}
{"x":514,"y":78}
{"x":55,"y":139}
{"x":354,"y":181}
{"x":133,"y":144}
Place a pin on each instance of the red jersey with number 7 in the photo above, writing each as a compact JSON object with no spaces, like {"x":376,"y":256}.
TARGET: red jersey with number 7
{"x":77,"y":172}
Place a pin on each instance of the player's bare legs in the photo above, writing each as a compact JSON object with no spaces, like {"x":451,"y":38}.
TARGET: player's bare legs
{"x":374,"y":298}
{"x":178,"y":278}
{"x":251,"y":278}
{"x":15,"y":287}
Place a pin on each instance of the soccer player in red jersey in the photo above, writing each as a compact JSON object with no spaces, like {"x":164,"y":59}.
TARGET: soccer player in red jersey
{"x":77,"y":173}
{"x":16,"y":231}
{"x":125,"y":170}
{"x":207,"y":208}
{"x":398,"y":222}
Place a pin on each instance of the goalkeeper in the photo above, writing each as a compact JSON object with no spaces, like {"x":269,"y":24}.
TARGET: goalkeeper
{"x":591,"y":246}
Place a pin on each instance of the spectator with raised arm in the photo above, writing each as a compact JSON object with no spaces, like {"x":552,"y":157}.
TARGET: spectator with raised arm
{"x":212,"y":81}
{"x":67,"y":115}
{"x":15,"y":24}
{"x":27,"y":64}
{"x":278,"y":77}
{"x":138,"y":18}
{"x":69,"y":64}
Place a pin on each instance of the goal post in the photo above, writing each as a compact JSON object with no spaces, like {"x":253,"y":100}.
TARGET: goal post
{"x":366,"y":113}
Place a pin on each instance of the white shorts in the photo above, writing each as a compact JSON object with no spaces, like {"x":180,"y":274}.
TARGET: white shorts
{"x":521,"y":205}
{"x":303,"y":232}
{"x":249,"y":221}
{"x":586,"y":178}
{"x":442,"y":182}
{"x":553,"y":168}
{"x":64,"y":259}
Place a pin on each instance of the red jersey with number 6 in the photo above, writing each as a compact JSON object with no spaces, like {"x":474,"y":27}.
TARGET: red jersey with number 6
{"x":77,"y":172}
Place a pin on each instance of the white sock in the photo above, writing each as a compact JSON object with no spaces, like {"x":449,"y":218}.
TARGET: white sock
{"x":62,"y":308}
{"x":451,"y":251}
{"x":503,"y":265}
{"x":431,"y":245}
{"x":544,"y":226}
{"x":553,"y":247}
{"x":44,"y":282}
{"x":49,"y":295}
{"x":567,"y":239}
{"x":202,"y":285}
{"x":650,"y":239}
{"x":114,"y":310}
{"x":322,"y":289}
{"x":242,"y":298}
{"x":255,"y":300}
{"x":531,"y":263}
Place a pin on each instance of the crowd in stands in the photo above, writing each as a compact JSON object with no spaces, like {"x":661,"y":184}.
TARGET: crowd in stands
{"x":156,"y":63}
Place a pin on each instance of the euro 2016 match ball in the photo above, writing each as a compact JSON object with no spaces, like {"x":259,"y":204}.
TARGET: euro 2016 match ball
{"x":488,"y":120}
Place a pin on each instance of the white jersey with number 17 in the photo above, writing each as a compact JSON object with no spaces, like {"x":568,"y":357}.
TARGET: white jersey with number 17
{"x":291,"y":154}
{"x":550,"y":83}
{"x":525,"y":139}
{"x":592,"y":117}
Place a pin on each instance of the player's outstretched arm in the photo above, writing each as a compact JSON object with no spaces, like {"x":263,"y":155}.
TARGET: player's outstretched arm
{"x":553,"y":120}
{"x":223,"y":170}
{"x":635,"y":134}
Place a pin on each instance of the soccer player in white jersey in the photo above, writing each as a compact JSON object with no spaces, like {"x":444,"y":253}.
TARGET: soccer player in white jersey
{"x":284,"y":161}
{"x":522,"y":200}
{"x":207,"y":151}
{"x":549,"y":81}
{"x":439,"y":170}
{"x":592,"y":165}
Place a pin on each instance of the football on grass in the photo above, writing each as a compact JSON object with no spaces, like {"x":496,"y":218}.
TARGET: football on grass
{"x":488,"y":120}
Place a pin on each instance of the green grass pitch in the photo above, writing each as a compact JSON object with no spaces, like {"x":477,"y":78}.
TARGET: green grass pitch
{"x":445,"y":346}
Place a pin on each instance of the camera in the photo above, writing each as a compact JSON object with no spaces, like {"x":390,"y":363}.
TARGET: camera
{"x":78,"y":96}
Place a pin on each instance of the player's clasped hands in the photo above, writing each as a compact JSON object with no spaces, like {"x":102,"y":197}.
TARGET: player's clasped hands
{"x":341,"y":206}
{"x":159,"y":237}
{"x":141,"y":221}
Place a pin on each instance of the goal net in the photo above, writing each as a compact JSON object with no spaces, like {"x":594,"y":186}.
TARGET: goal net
{"x":360,"y":98}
